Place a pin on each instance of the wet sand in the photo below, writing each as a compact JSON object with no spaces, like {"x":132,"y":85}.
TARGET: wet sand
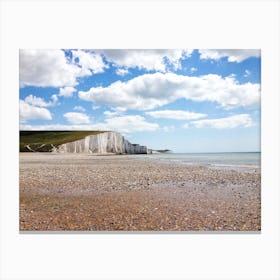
{"x":129,"y":193}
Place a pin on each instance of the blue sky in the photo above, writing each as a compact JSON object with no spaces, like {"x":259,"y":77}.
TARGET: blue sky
{"x":184,"y":100}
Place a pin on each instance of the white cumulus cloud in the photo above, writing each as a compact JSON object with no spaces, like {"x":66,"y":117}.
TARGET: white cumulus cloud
{"x":66,"y":91}
{"x":176,"y":115}
{"x":241,"y":120}
{"x":40,"y":102}
{"x":30,"y":112}
{"x":131,"y":123}
{"x":48,"y":68}
{"x":147,"y":59}
{"x":79,"y":108}
{"x":36,"y":101}
{"x":89,"y":60}
{"x":153,"y":90}
{"x":122,"y":124}
{"x":111,"y":113}
{"x":54,"y":99}
{"x":122,"y":71}
{"x":77,"y":118}
{"x":95,"y":107}
{"x":117,"y":112}
{"x":233,"y":55}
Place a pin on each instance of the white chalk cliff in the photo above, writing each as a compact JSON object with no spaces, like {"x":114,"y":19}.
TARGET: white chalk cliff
{"x":103,"y":143}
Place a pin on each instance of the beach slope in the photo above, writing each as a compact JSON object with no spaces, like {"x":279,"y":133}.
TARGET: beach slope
{"x":65,"y":192}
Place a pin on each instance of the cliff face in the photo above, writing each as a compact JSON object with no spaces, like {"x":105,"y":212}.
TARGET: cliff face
{"x":107,"y":142}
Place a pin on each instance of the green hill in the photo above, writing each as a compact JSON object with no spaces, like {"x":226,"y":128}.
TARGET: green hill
{"x":43,"y":141}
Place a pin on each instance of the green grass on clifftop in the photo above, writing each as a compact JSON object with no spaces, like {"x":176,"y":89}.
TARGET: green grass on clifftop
{"x":42,"y":141}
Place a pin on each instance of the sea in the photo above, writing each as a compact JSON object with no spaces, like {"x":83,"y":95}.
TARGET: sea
{"x":219,"y":160}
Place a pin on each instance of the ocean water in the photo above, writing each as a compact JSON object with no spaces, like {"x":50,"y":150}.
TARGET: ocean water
{"x":252,"y":159}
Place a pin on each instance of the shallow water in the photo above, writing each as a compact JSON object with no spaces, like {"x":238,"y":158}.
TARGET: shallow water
{"x":218,"y":160}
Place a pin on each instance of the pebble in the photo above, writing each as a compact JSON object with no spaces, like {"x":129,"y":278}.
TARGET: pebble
{"x":113,"y":192}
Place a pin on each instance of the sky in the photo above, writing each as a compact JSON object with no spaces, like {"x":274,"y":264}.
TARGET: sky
{"x":185,"y":100}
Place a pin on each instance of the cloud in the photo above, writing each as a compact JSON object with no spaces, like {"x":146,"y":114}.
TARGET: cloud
{"x":36,"y":101}
{"x":117,"y":111}
{"x":247,"y":73}
{"x":243,"y":120}
{"x":77,"y":118}
{"x":130,"y":123}
{"x":175,"y":115}
{"x":40,"y":102}
{"x":66,"y":91}
{"x":55,"y":99}
{"x":111,"y":114}
{"x":30,"y":112}
{"x":89,"y":60}
{"x":123,"y":124}
{"x":95,"y":107}
{"x":79,"y":108}
{"x":122,"y":71}
{"x":149,"y":91}
{"x":233,"y":55}
{"x":170,"y":128}
{"x":157,"y":60}
{"x":193,"y":69}
{"x":48,"y":68}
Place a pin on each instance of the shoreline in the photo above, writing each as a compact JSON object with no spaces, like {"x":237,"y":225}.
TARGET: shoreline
{"x":160,"y":158}
{"x":81,"y":192}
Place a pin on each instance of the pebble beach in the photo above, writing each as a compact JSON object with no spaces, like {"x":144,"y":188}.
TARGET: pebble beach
{"x":83,"y":192}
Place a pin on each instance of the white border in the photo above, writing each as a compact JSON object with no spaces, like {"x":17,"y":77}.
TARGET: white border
{"x":135,"y":24}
